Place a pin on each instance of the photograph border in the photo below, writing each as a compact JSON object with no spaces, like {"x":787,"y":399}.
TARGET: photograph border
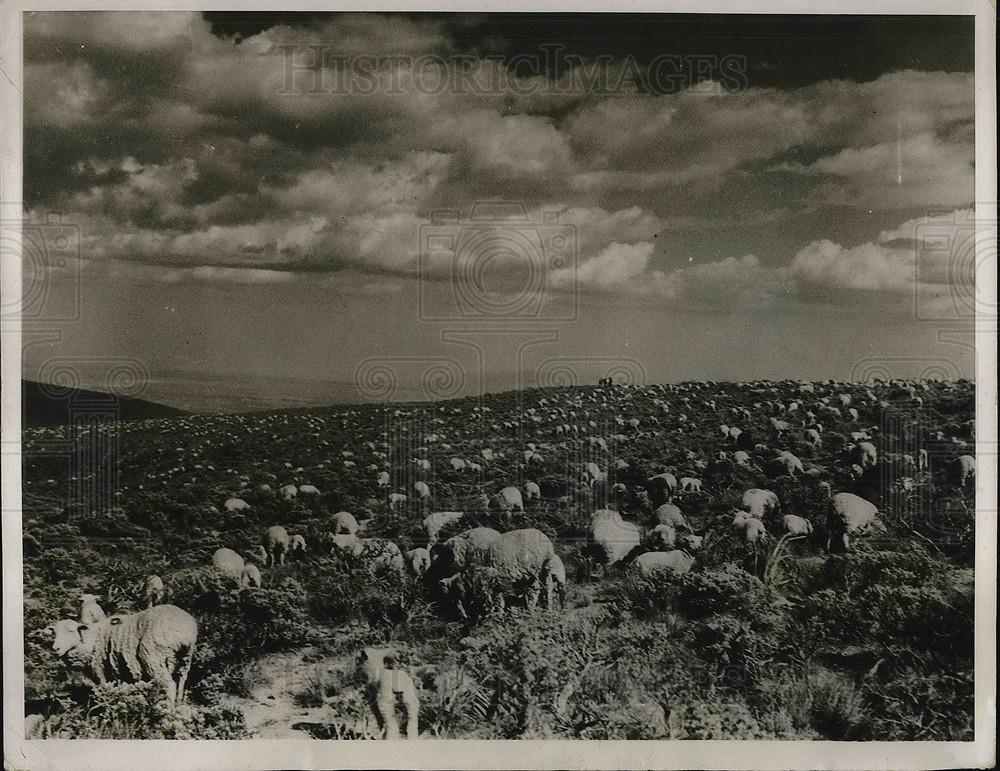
{"x":38,"y":755}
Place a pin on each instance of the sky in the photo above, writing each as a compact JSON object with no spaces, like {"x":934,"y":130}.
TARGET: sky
{"x":261,"y":210}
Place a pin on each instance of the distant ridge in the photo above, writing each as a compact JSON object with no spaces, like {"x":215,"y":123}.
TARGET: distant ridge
{"x":48,"y":405}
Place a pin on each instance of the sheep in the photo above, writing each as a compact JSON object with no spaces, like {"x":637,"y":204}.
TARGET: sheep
{"x":612,"y":539}
{"x":422,"y":489}
{"x":742,"y":458}
{"x":154,"y":644}
{"x":297,"y":546}
{"x":90,"y":611}
{"x":288,"y":492}
{"x":439,"y":520}
{"x":690,"y":485}
{"x":851,"y":514}
{"x":507,"y":500}
{"x":234,"y":505}
{"x":229,"y":564}
{"x":866,"y":455}
{"x":308,"y":490}
{"x":457,"y":464}
{"x":397,"y":499}
{"x":418,"y":561}
{"x":676,"y":562}
{"x":669,"y":514}
{"x":754,"y":531}
{"x":661,"y":538}
{"x":465,"y":548}
{"x":521,"y":559}
{"x":382,"y":480}
{"x":796,"y":525}
{"x":382,"y":554}
{"x":276,"y":543}
{"x":250,"y":577}
{"x":786,"y":463}
{"x":532,"y":492}
{"x":383,"y":685}
{"x":760,"y":502}
{"x":344,"y":522}
{"x":153,"y":591}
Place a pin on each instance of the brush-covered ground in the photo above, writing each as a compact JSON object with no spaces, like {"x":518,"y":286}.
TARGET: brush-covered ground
{"x":782,"y":642}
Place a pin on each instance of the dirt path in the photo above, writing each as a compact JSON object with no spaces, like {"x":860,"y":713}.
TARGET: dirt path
{"x":272,"y":710}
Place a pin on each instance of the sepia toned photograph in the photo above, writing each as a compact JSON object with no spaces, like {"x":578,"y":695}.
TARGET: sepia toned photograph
{"x":547,"y":376}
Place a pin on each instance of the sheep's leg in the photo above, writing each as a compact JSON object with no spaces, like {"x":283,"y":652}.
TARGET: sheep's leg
{"x":549,"y":593}
{"x":165,"y":678}
{"x":533,"y":593}
{"x":386,"y":705}
{"x":412,"y":715}
{"x":185,"y":669}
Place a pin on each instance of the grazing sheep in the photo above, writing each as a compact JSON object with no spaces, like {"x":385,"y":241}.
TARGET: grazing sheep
{"x":690,"y":485}
{"x":438,"y":521}
{"x":796,"y":525}
{"x":153,"y":591}
{"x":760,"y":502}
{"x":754,"y":531}
{"x":229,"y":564}
{"x":276,"y":543}
{"x":850,"y":515}
{"x":418,"y":561}
{"x":742,"y":458}
{"x":422,"y":489}
{"x":155,"y":644}
{"x":786,"y":463}
{"x":457,"y":464}
{"x":90,"y":611}
{"x":466,"y":548}
{"x":521,"y":559}
{"x":532,"y":492}
{"x":866,"y":455}
{"x":676,"y":562}
{"x":612,"y":539}
{"x":507,"y":500}
{"x":344,"y":522}
{"x":661,"y":538}
{"x":397,"y":499}
{"x":669,"y":514}
{"x":236,"y":504}
{"x":382,"y":479}
{"x":297,"y":546}
{"x":288,"y":492}
{"x":384,"y":684}
{"x":250,"y":577}
{"x":309,"y":490}
{"x":382,"y":554}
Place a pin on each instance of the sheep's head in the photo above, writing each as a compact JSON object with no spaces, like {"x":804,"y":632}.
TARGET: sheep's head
{"x":72,"y":639}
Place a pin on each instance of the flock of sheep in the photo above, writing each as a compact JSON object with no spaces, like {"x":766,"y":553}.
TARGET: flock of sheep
{"x":645,"y":515}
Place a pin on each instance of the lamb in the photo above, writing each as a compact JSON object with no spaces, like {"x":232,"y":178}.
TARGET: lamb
{"x":796,"y":525}
{"x":383,"y":685}
{"x":532,"y":491}
{"x":153,"y":591}
{"x":155,"y":644}
{"x":251,"y":576}
{"x":850,"y":515}
{"x":90,"y":611}
{"x":418,"y":561}
{"x":276,"y":543}
{"x":397,"y":499}
{"x":676,"y":562}
{"x":297,"y":546}
{"x":963,"y":469}
{"x":383,"y":479}
{"x":438,"y":521}
{"x":760,"y":502}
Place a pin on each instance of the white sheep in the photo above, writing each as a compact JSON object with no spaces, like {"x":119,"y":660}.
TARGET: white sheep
{"x":760,"y":502}
{"x":963,"y":469}
{"x":507,"y":500}
{"x":422,"y":489}
{"x":153,"y":591}
{"x":555,"y":582}
{"x":397,"y":499}
{"x":251,"y":576}
{"x":384,"y":684}
{"x":532,"y":492}
{"x":309,"y":490}
{"x":611,"y":538}
{"x":276,"y":542}
{"x":796,"y":525}
{"x":690,"y":485}
{"x":677,"y":562}
{"x":437,"y":521}
{"x":153,"y":644}
{"x":288,"y":492}
{"x":383,"y":479}
{"x":669,"y":514}
{"x":661,"y":487}
{"x":236,"y":504}
{"x":297,"y":546}
{"x":418,"y":561}
{"x":344,"y":522}
{"x":466,"y":548}
{"x":851,"y":515}
{"x":229,"y":564}
{"x":90,"y":611}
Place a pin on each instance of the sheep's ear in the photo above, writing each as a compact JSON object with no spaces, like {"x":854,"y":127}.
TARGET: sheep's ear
{"x":115,"y":620}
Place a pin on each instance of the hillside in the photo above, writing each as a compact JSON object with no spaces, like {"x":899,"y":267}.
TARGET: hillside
{"x":857,"y":629}
{"x":47,"y":405}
